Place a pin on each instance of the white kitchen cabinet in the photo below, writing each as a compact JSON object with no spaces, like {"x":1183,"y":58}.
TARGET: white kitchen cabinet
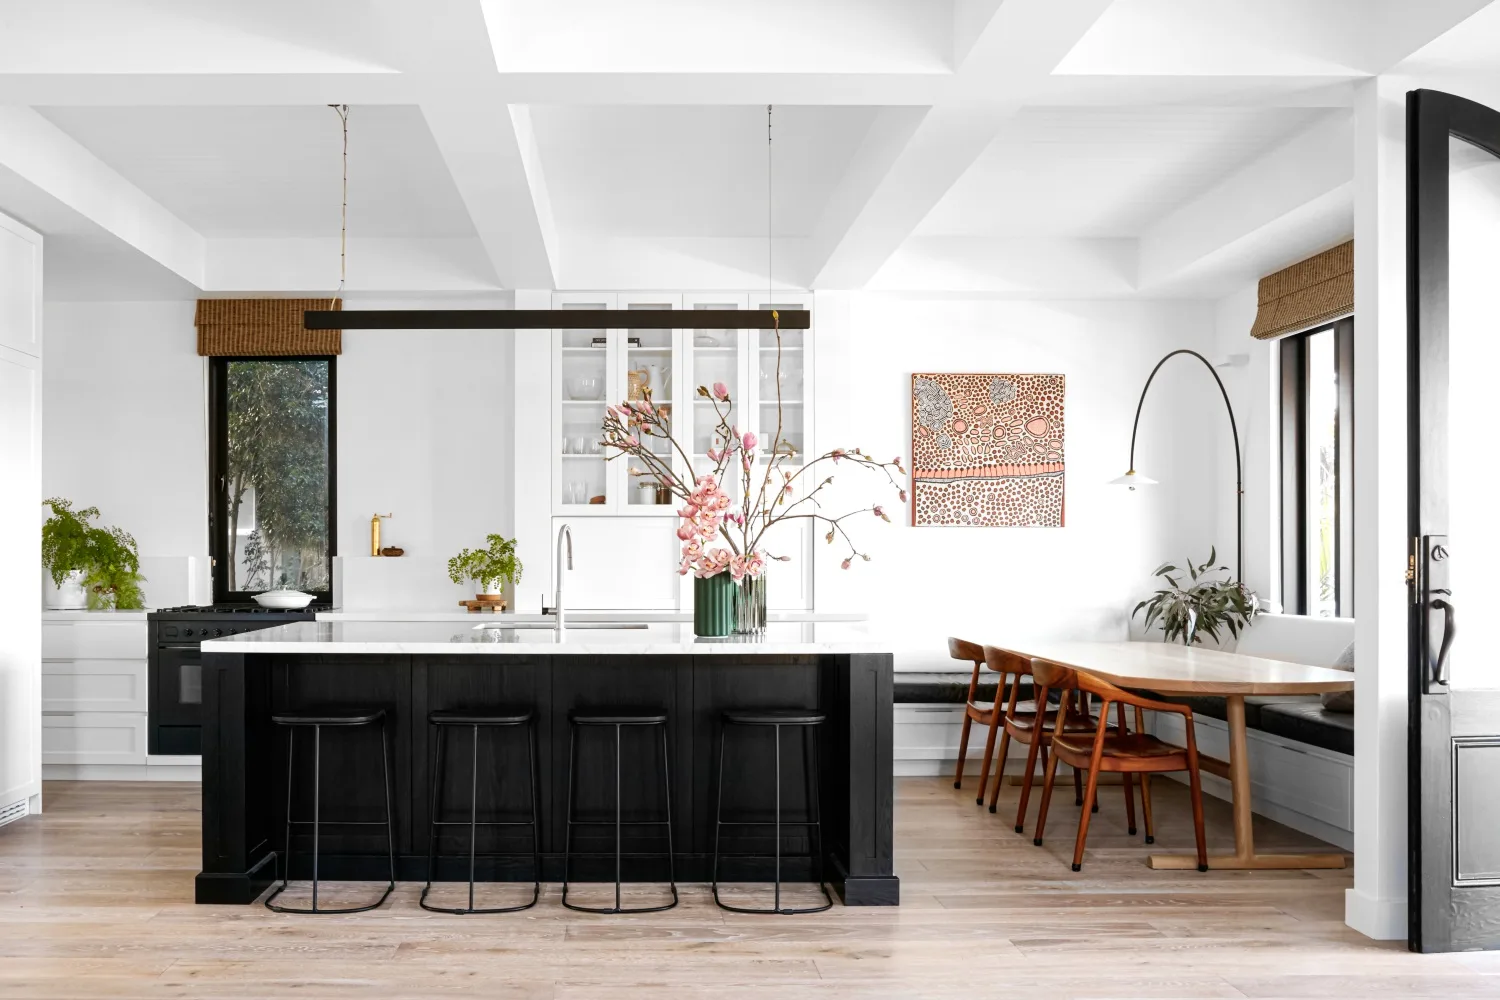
{"x":94,"y":693}
{"x":591,"y":369}
{"x":20,"y":520}
{"x":117,"y":738}
{"x":20,"y":288}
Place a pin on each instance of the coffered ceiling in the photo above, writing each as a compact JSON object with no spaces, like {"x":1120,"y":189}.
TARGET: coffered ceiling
{"x":588,"y":143}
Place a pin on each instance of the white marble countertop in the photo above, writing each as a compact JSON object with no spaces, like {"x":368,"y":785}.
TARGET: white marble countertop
{"x":661,"y":617}
{"x":664,"y":639}
{"x":84,"y":615}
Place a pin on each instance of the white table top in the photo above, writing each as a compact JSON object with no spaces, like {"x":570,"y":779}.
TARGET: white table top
{"x":1174,"y":669}
{"x":445,"y":638}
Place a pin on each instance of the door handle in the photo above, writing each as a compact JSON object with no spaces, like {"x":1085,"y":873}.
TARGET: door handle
{"x":1440,"y":669}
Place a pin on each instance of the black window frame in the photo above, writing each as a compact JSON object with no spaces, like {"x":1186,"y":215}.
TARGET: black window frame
{"x":218,"y":463}
{"x":1293,"y":461}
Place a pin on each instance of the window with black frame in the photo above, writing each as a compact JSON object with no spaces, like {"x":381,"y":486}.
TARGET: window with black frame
{"x":1317,"y":471}
{"x":272,"y":455}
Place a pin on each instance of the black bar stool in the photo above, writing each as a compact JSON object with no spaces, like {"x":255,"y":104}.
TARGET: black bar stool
{"x":776,"y":718}
{"x":618,"y":719}
{"x":317,"y":719}
{"x":497,"y":718}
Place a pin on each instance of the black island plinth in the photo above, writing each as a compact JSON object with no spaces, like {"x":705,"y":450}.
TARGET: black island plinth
{"x":410,"y":669}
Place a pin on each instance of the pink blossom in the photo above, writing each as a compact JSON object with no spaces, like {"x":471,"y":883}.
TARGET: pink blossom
{"x":836,"y":454}
{"x":845,"y":564}
{"x":721,"y":391}
{"x":633,"y":441}
{"x":713,"y":456}
{"x":880,"y":513}
{"x":903,"y":496}
{"x":749,"y":440}
{"x":686,"y":531}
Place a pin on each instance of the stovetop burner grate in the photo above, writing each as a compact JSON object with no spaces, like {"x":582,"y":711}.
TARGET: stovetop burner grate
{"x":239,"y":609}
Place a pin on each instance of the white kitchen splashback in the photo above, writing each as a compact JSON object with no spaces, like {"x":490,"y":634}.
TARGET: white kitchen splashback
{"x":410,"y":583}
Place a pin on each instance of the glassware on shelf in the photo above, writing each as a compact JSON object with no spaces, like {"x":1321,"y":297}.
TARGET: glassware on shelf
{"x":580,"y":443}
{"x":567,"y":445}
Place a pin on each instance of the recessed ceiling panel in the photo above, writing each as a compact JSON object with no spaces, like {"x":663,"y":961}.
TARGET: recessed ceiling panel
{"x":267,"y":172}
{"x":1103,"y":173}
{"x":706,"y":36}
{"x":693,"y":171}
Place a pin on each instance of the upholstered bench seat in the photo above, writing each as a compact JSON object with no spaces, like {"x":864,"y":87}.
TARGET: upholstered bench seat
{"x":1309,"y":722}
{"x":949,"y":688}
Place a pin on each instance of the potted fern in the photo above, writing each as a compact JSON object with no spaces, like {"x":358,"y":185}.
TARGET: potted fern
{"x":1203,"y":606}
{"x":491,"y":568}
{"x":90,"y":566}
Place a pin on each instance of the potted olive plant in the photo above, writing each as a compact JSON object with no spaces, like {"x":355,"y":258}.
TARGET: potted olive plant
{"x":490,"y":568}
{"x":1203,"y":606}
{"x":91,"y":566}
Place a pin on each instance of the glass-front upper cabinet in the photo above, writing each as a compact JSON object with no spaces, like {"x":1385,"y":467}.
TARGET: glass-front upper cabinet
{"x":582,"y":365}
{"x":650,"y":365}
{"x":594,"y":369}
{"x":716,"y":357}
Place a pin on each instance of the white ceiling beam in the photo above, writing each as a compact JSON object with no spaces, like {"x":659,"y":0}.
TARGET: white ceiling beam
{"x":1009,"y":58}
{"x":48,"y":158}
{"x":1300,"y":191}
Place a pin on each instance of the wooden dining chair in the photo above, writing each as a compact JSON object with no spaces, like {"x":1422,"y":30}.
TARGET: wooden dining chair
{"x":986,"y":713}
{"x":1115,"y":749}
{"x":1020,"y":724}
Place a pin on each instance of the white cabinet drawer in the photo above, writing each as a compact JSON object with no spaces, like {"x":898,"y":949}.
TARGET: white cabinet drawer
{"x":931,"y":732}
{"x":94,"y":686}
{"x":94,"y":738}
{"x":94,"y":641}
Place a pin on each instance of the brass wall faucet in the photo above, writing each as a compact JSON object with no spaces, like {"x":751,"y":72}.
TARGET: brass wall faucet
{"x":375,"y":534}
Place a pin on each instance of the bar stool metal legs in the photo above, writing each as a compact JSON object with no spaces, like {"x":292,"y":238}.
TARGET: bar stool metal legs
{"x":474,"y":722}
{"x":317,"y":720}
{"x":807,"y":722}
{"x":618,"y":721}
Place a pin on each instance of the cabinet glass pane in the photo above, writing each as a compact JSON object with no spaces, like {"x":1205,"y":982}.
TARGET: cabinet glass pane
{"x":783,"y":411}
{"x":583,"y":371}
{"x":716,"y":358}
{"x":648,"y":370}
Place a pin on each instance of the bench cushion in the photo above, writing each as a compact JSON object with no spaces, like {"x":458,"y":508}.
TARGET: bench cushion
{"x":1214,"y":708}
{"x":949,"y":688}
{"x":1309,"y":722}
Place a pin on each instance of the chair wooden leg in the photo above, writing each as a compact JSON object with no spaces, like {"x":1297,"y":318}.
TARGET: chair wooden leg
{"x":1197,"y":794}
{"x":1036,"y":745}
{"x":963,"y":749}
{"x":1126,"y":781}
{"x":1041,"y":816}
{"x":1077,"y":787}
{"x":1083,"y":818}
{"x":989,"y":753}
{"x":1146,"y":808}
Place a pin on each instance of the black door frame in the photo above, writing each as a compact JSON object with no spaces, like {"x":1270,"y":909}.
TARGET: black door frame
{"x":1432,"y":117}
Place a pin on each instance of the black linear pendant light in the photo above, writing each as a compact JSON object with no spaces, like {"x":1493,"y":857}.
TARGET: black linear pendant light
{"x":544,"y":319}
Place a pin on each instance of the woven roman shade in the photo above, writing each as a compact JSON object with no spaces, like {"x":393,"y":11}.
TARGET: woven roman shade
{"x":1306,"y":294}
{"x":263,"y":328}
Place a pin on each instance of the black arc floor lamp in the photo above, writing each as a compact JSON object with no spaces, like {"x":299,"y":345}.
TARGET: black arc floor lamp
{"x":1132,"y":478}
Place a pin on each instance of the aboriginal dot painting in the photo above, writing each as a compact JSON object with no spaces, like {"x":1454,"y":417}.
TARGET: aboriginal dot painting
{"x":987,"y":450}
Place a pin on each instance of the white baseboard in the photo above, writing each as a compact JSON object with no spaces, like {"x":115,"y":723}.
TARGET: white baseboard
{"x":1381,"y":919}
{"x":121,"y":772}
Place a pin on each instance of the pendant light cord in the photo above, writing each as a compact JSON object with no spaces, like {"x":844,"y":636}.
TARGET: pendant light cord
{"x":770,"y":238}
{"x":343,"y":112}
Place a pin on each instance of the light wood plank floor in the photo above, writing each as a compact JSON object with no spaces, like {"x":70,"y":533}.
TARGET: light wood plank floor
{"x":95,"y":901}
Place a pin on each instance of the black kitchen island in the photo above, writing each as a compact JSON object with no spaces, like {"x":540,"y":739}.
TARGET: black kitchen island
{"x":410,"y":669}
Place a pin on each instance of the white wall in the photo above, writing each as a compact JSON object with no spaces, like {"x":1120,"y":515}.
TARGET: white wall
{"x":423,"y":432}
{"x":1077,"y":581}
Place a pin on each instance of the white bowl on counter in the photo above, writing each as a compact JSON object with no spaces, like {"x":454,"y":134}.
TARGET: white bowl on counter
{"x":284,"y":599}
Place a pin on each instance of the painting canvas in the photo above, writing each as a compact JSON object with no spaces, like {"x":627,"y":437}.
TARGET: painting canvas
{"x":987,"y":450}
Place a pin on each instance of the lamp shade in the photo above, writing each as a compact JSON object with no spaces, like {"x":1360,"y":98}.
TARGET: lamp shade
{"x":1133,"y":479}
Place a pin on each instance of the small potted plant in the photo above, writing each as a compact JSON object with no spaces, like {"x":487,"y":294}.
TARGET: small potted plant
{"x":91,"y":566}
{"x":490,"y":568}
{"x":1204,"y":606}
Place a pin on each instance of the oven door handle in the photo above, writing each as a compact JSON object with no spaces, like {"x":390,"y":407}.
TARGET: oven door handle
{"x":192,"y":646}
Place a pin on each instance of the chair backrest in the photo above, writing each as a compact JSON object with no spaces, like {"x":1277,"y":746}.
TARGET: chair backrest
{"x":1053,"y":676}
{"x":963,"y":649}
{"x":1005,"y":662}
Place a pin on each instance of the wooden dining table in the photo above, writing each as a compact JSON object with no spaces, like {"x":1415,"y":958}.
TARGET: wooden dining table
{"x":1171,"y":669}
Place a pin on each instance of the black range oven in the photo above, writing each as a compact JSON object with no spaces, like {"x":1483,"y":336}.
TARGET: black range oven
{"x":175,"y":670}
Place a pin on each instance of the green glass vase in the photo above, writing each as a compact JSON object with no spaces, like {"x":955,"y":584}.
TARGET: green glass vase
{"x":714,"y":605}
